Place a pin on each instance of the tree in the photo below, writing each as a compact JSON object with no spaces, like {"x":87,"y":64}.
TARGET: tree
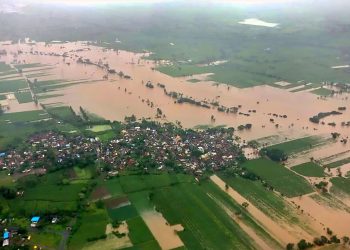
{"x":290,"y":246}
{"x":303,"y":244}
{"x":275,"y":154}
{"x":345,"y":239}
{"x":245,"y":204}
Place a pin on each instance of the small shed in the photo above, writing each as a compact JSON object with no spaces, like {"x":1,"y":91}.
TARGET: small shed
{"x":34,"y":221}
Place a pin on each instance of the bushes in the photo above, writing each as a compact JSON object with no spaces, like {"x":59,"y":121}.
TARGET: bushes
{"x":274,"y":154}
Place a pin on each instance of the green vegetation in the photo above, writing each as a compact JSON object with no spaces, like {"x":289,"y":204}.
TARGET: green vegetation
{"x":27,"y":116}
{"x":279,"y":177}
{"x":6,"y":180}
{"x":266,"y":200}
{"x":100,"y":128}
{"x":4,"y":67}
{"x":188,"y":205}
{"x":93,"y":227}
{"x":193,"y":80}
{"x":12,"y":85}
{"x":140,"y":234}
{"x":322,"y":92}
{"x":299,"y":145}
{"x":24,"y":97}
{"x":338,"y":163}
{"x":46,"y":240}
{"x":340,"y":184}
{"x":309,"y":169}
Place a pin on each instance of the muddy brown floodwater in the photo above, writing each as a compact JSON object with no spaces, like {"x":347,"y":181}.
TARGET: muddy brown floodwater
{"x":116,"y":98}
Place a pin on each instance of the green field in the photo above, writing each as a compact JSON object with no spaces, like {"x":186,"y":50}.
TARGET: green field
{"x":93,"y":225}
{"x":206,"y":224}
{"x":4,"y":67}
{"x":100,"y":128}
{"x":341,"y":184}
{"x":140,"y":235}
{"x":12,"y":85}
{"x":309,"y":169}
{"x":6,"y":180}
{"x":322,"y":92}
{"x":299,"y":145}
{"x":24,"y":97}
{"x":338,"y":163}
{"x":27,"y":116}
{"x":279,"y":177}
{"x":267,"y":201}
{"x":53,"y":192}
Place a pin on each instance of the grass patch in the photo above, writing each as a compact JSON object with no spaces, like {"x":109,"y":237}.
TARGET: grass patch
{"x":338,"y":163}
{"x":267,"y":201}
{"x":140,"y":234}
{"x":206,"y":224}
{"x":194,"y":80}
{"x":123,"y":213}
{"x":279,"y":177}
{"x":299,"y":145}
{"x":53,"y":192}
{"x":27,"y":116}
{"x":100,"y":128}
{"x":310,"y":169}
{"x":24,"y":97}
{"x":322,"y":92}
{"x":341,"y":184}
{"x":45,"y":240}
{"x":12,"y":85}
{"x":6,"y":180}
{"x":93,"y":225}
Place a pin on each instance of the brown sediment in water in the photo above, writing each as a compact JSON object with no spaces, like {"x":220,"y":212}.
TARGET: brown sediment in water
{"x":109,"y":99}
{"x":282,"y":232}
{"x":165,"y":234}
{"x":334,"y":218}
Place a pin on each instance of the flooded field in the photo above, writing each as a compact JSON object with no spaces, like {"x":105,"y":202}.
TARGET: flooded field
{"x":327,"y":213}
{"x":270,"y":110}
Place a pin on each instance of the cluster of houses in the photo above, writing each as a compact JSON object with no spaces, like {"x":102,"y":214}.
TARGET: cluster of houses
{"x":164,"y":145}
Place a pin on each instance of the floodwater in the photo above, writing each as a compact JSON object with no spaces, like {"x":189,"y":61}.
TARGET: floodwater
{"x":165,"y":234}
{"x":337,"y":219}
{"x":116,"y":98}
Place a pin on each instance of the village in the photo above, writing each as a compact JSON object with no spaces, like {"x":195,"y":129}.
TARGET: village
{"x":158,"y":147}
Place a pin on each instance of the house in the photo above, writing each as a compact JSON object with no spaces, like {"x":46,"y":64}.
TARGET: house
{"x":34,"y":221}
{"x":6,"y":235}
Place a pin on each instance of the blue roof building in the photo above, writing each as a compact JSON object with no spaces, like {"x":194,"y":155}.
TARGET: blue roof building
{"x":35,"y":219}
{"x":6,"y":235}
{"x":2,"y":154}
